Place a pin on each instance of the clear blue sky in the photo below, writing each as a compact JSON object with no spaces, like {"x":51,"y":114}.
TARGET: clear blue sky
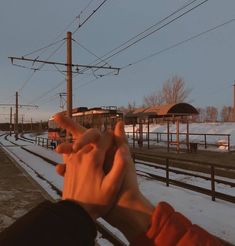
{"x":205,"y":63}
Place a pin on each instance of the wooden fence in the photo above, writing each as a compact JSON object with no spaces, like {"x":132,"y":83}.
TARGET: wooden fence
{"x":212,"y":170}
{"x":203,"y":139}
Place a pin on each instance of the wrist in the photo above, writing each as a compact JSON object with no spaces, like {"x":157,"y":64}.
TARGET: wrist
{"x":132,"y":215}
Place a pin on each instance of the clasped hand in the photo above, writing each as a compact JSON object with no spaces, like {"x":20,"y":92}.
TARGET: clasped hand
{"x":99,"y":174}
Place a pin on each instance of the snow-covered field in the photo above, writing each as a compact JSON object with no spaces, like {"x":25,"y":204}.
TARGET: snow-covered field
{"x":199,"y":128}
{"x":217,"y":217}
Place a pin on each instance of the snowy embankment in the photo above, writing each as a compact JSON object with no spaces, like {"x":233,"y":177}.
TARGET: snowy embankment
{"x":198,"y":128}
{"x":216,"y":217}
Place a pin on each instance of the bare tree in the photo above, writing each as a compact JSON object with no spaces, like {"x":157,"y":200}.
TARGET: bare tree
{"x":226,"y":113}
{"x":211,"y":114}
{"x":174,"y":90}
{"x":153,"y":99}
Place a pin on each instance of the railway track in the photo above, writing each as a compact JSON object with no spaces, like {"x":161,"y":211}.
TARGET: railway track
{"x":105,"y":232}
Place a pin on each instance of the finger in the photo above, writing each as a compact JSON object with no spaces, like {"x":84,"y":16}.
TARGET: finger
{"x":60,"y":169}
{"x":64,"y":148}
{"x":106,"y":141}
{"x":116,"y":175}
{"x":86,"y":149}
{"x":119,"y":134}
{"x":90,"y":136}
{"x":102,"y":147}
{"x":109,"y":158}
{"x":69,"y":125}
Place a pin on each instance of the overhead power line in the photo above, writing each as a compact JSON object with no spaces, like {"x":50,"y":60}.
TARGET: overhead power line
{"x":40,"y":66}
{"x":48,"y":91}
{"x":167,"y":48}
{"x":180,"y":43}
{"x":93,"y":12}
{"x":90,"y":52}
{"x":43,"y":48}
{"x":127,"y":44}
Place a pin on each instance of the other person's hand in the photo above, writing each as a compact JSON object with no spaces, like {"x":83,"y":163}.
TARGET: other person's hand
{"x":84,"y":179}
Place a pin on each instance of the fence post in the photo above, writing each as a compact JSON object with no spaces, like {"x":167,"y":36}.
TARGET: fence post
{"x":133,"y":136}
{"x":167,"y":172}
{"x":205,"y":141}
{"x":228,"y":142}
{"x":148,"y":134}
{"x":213,"y":183}
{"x":133,"y":157}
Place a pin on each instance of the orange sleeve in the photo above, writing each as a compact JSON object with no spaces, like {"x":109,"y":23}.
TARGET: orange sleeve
{"x":170,"y":228}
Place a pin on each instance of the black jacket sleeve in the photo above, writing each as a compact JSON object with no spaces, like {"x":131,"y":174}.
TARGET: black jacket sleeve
{"x":54,"y":224}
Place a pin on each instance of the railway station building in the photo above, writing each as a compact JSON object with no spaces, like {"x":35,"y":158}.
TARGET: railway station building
{"x":164,"y":114}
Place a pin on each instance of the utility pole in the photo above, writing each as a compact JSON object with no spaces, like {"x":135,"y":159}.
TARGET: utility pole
{"x":10,"y":120}
{"x":31,"y":123}
{"x":234,"y":101}
{"x":22,"y":124}
{"x":69,"y":65}
{"x":16,"y":117}
{"x":69,"y":75}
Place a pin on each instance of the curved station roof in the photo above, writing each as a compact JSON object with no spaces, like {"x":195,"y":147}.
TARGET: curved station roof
{"x":166,"y":110}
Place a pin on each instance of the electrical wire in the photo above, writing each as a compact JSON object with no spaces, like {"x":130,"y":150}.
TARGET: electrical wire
{"x":26,"y":81}
{"x":110,"y":54}
{"x":179,"y":43}
{"x":51,"y":44}
{"x":47,"y":92}
{"x":131,"y":39}
{"x":43,"y":48}
{"x":166,"y":49}
{"x":90,"y":52}
{"x":93,"y":12}
{"x":174,"y":19}
{"x":39,"y":67}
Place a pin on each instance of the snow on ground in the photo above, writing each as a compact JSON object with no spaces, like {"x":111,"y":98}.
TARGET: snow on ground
{"x":217,"y":217}
{"x":202,"y":128}
{"x":197,"y":181}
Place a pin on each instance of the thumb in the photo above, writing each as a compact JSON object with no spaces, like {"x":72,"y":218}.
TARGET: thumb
{"x":116,"y":175}
{"x":119,"y":134}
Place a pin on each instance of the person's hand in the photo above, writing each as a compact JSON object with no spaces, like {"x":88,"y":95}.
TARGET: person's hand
{"x":84,"y":179}
{"x":132,"y":213}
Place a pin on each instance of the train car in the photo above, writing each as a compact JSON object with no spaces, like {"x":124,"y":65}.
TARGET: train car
{"x":101,"y":118}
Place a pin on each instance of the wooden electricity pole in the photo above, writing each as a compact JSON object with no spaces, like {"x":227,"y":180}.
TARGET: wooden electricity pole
{"x":234,"y":101}
{"x":69,"y":65}
{"x":22,"y":124}
{"x":16,"y":117}
{"x":69,"y":75}
{"x":10,"y":120}
{"x":31,"y":124}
